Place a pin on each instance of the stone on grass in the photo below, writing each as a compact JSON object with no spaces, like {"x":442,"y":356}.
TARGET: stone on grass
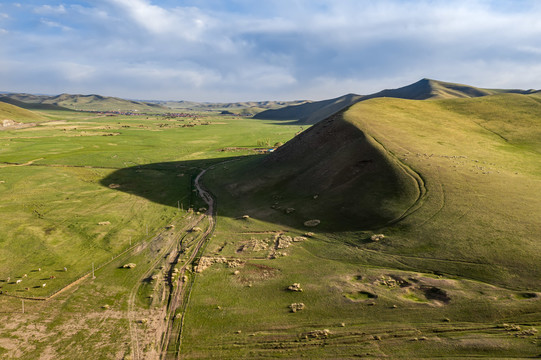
{"x":312,"y":223}
{"x":296,"y":307}
{"x":377,"y":237}
{"x":295,"y":287}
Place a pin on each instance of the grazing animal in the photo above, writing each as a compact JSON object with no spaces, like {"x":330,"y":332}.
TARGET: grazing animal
{"x":18,"y":281}
{"x":43,"y":285}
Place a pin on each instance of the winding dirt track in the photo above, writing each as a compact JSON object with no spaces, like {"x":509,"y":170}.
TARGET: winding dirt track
{"x":170,"y":331}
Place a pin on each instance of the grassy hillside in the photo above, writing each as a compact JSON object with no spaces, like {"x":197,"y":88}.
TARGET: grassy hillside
{"x":456,"y":276}
{"x":17,"y":114}
{"x":333,"y":172}
{"x":477,"y":160}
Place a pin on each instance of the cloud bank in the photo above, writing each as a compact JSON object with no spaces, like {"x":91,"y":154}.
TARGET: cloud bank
{"x":210,"y":50}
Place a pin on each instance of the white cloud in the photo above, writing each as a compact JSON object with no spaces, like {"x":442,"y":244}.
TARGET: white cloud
{"x":54,"y":24}
{"x":272,"y":49}
{"x":49,"y":10}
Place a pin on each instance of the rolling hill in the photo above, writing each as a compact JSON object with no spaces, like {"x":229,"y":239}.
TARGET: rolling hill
{"x":425,"y":89}
{"x":10,"y":114}
{"x":31,"y":106}
{"x":87,"y":102}
{"x":466,"y":206}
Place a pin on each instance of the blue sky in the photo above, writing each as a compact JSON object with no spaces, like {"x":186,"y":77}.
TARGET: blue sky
{"x":237,"y":50}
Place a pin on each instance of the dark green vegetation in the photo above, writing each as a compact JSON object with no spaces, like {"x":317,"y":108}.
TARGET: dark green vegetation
{"x":451,"y":183}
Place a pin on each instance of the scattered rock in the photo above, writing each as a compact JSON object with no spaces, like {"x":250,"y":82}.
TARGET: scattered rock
{"x":170,"y":226}
{"x":105,"y":307}
{"x":309,"y":234}
{"x":104,"y":223}
{"x":245,"y":217}
{"x":316,"y":334}
{"x":8,"y":122}
{"x":236,"y":272}
{"x":528,"y":332}
{"x":377,"y":237}
{"x":129,"y":266}
{"x":296,"y":307}
{"x":512,"y":327}
{"x":289,"y":210}
{"x":299,"y":238}
{"x":114,"y":186}
{"x":295,"y":287}
{"x":342,"y":324}
{"x":196,"y":229}
{"x":235,"y":263}
{"x":312,"y":223}
{"x":283,"y":242}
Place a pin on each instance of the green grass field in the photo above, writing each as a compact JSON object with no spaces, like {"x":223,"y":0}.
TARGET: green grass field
{"x":452,"y":184}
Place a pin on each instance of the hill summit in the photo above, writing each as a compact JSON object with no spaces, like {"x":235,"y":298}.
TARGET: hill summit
{"x":424,"y":89}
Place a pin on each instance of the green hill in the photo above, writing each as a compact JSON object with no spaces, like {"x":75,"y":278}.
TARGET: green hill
{"x":31,"y":106}
{"x":87,"y":102}
{"x":9,"y":112}
{"x":478,"y":159}
{"x":335,"y":164}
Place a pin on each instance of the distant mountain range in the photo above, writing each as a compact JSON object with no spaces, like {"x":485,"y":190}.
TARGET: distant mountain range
{"x":304,"y":111}
{"x":425,"y":89}
{"x":107,"y":103}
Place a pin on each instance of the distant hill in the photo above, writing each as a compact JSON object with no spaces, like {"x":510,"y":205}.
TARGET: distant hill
{"x":11,"y":114}
{"x":88,"y":102}
{"x":31,"y":106}
{"x":247,"y":108}
{"x":310,"y":112}
{"x":425,"y":89}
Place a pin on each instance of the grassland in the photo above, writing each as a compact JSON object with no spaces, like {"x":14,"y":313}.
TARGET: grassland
{"x":456,"y":277}
{"x":451,"y":184}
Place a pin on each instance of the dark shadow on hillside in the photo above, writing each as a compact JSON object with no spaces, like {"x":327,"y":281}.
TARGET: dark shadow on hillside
{"x":166,"y":183}
{"x":332,"y":172}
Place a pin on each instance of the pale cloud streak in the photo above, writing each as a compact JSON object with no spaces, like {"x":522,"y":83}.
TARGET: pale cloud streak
{"x":212,"y":50}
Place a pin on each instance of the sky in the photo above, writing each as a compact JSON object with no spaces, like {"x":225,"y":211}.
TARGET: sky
{"x":247,"y":50}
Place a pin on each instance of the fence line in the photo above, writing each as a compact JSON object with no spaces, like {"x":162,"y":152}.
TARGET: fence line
{"x":82,"y":277}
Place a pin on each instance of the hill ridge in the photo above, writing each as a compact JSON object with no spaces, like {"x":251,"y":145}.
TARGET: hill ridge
{"x":424,"y":89}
